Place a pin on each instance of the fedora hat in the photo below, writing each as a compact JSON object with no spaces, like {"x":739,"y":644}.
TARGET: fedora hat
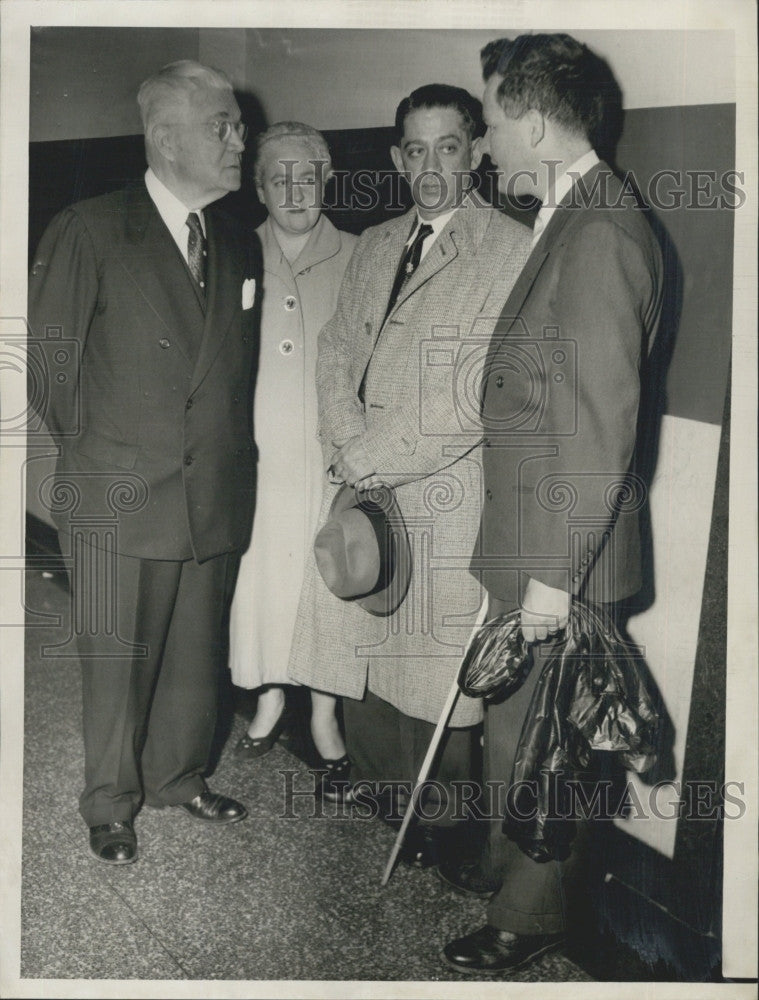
{"x":362,"y":551}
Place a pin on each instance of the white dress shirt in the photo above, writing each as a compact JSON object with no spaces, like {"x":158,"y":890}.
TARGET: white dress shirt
{"x":173,"y":212}
{"x":438,"y":225}
{"x":561,"y":188}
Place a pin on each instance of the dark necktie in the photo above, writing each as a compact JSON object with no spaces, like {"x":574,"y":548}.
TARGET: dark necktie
{"x":196,"y":251}
{"x":409,"y":263}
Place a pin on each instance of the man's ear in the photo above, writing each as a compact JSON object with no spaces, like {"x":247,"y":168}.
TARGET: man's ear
{"x":476,"y":153}
{"x":537,"y":126}
{"x":397,"y":158}
{"x":162,"y":137}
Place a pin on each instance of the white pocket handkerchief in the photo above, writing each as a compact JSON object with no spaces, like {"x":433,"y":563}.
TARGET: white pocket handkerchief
{"x":248,"y":293}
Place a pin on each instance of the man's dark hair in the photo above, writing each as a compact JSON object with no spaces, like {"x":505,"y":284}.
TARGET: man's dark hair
{"x":441,"y":95}
{"x":556,"y":75}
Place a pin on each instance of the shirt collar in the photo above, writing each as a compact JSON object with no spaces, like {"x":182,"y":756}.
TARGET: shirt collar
{"x":173,"y":212}
{"x":438,"y":224}
{"x":561,"y":188}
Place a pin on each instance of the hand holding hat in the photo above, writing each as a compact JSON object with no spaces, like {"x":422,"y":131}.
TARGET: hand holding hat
{"x":362,"y":551}
{"x":352,"y":464}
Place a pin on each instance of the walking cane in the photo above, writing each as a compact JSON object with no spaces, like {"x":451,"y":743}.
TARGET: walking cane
{"x":442,"y":722}
{"x":437,"y":736}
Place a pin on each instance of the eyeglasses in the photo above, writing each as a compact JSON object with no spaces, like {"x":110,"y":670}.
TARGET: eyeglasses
{"x":222,"y":128}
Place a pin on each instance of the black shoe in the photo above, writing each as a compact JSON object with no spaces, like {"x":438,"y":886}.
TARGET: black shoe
{"x":114,"y":843}
{"x":467,"y":878}
{"x":250,"y":747}
{"x":335,"y":785}
{"x":426,"y":846}
{"x":490,"y":951}
{"x":214,"y":808}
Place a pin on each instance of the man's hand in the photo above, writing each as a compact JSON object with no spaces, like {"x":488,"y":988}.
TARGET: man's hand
{"x":351,"y":464}
{"x":544,"y":612}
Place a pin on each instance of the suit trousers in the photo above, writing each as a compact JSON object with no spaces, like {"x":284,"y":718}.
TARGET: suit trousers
{"x":384,"y":744}
{"x":150,"y":640}
{"x":533,"y":896}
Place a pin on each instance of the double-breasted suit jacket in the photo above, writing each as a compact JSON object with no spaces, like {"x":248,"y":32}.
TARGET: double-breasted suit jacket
{"x":420,"y":424}
{"x":148,"y":402}
{"x":158,"y":393}
{"x":561,"y":399}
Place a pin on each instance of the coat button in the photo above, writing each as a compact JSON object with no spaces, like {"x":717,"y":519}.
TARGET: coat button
{"x":286,"y":347}
{"x":489,"y":494}
{"x":499,"y":381}
{"x":188,"y":405}
{"x":188,"y":460}
{"x":290,"y":303}
{"x":164,"y":343}
{"x":368,"y":327}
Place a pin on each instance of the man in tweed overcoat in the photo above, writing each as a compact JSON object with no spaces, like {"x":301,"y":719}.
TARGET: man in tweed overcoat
{"x":399,"y":404}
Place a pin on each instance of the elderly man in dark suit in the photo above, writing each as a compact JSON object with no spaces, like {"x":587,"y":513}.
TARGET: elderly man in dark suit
{"x":560,"y":409}
{"x":154,"y":292}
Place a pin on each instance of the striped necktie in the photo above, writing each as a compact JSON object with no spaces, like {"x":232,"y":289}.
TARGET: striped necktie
{"x":196,"y":251}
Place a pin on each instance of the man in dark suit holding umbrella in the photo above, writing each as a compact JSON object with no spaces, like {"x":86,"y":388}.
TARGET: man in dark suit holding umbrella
{"x":561,"y":398}
{"x":152,"y":291}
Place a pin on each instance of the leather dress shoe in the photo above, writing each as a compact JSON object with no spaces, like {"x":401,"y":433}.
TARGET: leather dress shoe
{"x":490,"y":951}
{"x":467,"y":878}
{"x":114,"y":843}
{"x":214,"y":808}
{"x":425,"y":846}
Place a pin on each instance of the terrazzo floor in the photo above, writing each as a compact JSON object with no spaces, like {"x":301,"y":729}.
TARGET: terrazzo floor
{"x":272,"y":898}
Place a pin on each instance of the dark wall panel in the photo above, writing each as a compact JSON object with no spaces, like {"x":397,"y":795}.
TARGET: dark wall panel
{"x":698,"y":240}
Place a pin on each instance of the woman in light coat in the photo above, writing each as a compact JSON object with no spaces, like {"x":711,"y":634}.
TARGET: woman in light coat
{"x":304,"y":261}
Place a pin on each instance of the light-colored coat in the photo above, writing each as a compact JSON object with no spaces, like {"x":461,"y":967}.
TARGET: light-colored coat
{"x":298,"y":299}
{"x":421,"y":427}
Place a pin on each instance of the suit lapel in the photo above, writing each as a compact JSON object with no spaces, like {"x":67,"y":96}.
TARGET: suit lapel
{"x":464,"y":231}
{"x":323,"y":243}
{"x":159,"y":274}
{"x":553,"y":233}
{"x":389,"y":257}
{"x":531,"y":270}
{"x":440,"y":254}
{"x":223,"y":299}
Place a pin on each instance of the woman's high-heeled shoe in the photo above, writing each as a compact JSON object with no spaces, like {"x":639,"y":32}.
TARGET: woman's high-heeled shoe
{"x":335,"y":785}
{"x":250,"y":747}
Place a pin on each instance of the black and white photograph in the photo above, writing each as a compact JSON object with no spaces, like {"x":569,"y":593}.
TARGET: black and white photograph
{"x":379,"y":522}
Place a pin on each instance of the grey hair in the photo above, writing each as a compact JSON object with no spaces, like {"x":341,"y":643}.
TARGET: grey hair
{"x":305,"y":135}
{"x":173,"y":85}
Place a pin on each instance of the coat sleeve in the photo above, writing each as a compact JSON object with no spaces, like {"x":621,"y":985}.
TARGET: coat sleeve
{"x":600,"y":302}
{"x":63,"y":295}
{"x":341,"y":354}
